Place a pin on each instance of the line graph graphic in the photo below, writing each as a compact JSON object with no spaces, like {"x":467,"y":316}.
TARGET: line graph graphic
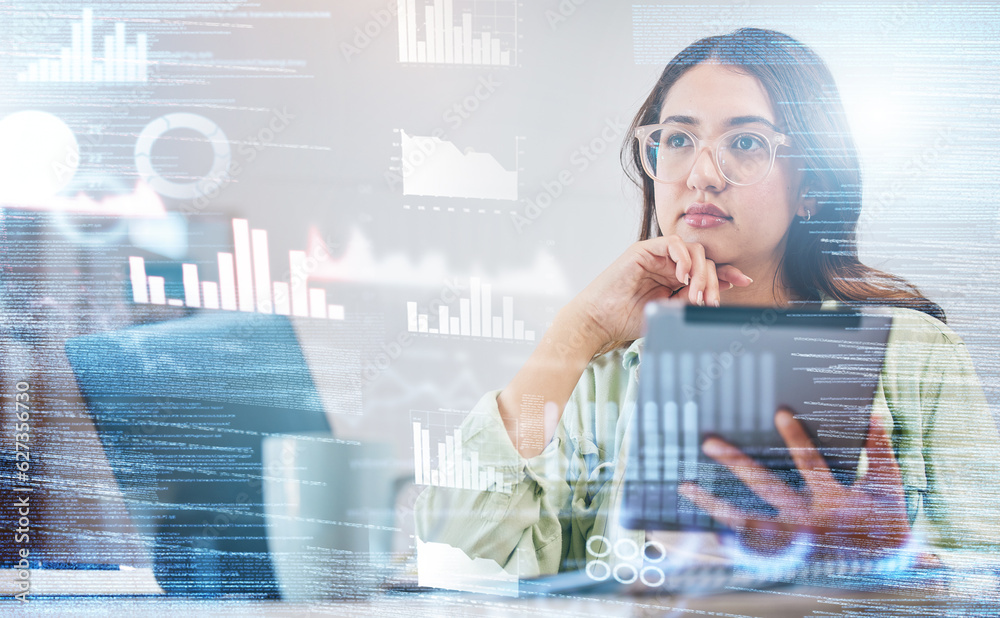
{"x":437,"y":168}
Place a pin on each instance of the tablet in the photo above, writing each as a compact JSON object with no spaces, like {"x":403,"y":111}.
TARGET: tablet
{"x":724,"y":371}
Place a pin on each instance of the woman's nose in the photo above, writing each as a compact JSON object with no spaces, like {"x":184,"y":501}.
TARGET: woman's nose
{"x":704,"y":175}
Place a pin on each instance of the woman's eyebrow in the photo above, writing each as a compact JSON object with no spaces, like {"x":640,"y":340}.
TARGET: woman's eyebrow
{"x":742,"y":120}
{"x":735,"y":121}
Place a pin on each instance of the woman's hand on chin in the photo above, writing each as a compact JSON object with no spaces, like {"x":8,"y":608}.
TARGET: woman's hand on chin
{"x":649,"y":270}
{"x":863,"y":520}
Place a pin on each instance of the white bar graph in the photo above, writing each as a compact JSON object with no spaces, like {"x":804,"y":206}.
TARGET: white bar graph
{"x":411,"y":317}
{"x":244,"y":270}
{"x":120,"y":62}
{"x":508,"y":317}
{"x":463,"y":308}
{"x":299,"y":283}
{"x":317,"y":303}
{"x":474,"y":287}
{"x":475,"y":317}
{"x":244,"y":282}
{"x":227,"y":281}
{"x":443,"y":321}
{"x":192,"y":297}
{"x":487,"y":306}
{"x":448,"y":35}
{"x":210,"y":291}
{"x":418,"y":458}
{"x":140,"y":287}
{"x":157,"y":291}
{"x":87,"y":57}
{"x":456,"y":468}
{"x":262,"y":271}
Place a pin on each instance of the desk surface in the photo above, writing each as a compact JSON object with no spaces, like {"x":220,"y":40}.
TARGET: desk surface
{"x":798,"y":601}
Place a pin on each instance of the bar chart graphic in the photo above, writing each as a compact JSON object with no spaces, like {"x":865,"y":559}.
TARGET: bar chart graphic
{"x":475,"y":317}
{"x":84,"y":61}
{"x":470,"y":32}
{"x":445,"y":463}
{"x":437,"y":168}
{"x":244,"y":282}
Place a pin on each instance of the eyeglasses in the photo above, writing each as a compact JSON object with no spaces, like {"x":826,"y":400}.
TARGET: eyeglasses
{"x":742,"y":156}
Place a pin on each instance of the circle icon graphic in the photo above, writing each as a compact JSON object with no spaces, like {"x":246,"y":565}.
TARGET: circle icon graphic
{"x":621,"y":577}
{"x":626,"y":549}
{"x":598,"y":570}
{"x":592,"y":544}
{"x":156,"y":129}
{"x":658,"y":576}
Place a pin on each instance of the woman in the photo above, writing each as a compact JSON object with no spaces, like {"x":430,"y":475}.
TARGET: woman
{"x":751,"y":193}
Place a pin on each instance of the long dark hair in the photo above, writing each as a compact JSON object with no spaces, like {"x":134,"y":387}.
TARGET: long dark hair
{"x":821,"y":255}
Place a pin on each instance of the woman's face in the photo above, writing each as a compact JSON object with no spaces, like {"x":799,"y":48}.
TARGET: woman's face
{"x":709,"y":100}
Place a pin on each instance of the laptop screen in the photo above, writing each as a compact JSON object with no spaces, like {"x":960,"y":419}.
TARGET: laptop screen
{"x":181,"y":408}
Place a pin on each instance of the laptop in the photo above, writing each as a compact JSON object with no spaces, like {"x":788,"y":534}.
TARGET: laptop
{"x":724,"y":371}
{"x":181,"y":408}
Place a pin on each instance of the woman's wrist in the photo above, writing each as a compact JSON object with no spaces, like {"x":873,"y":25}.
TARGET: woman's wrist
{"x":551,"y":374}
{"x":576,"y":335}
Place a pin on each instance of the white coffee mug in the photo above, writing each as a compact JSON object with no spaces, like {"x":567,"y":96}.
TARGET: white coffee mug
{"x":328,"y":505}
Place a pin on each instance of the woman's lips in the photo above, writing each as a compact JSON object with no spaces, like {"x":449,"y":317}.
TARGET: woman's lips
{"x":705,"y":215}
{"x":704,"y":221}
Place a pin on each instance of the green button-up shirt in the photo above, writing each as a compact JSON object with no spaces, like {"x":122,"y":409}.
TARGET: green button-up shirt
{"x":929,"y":398}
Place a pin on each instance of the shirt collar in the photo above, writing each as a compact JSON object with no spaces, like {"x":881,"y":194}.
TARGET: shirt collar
{"x":631,"y":356}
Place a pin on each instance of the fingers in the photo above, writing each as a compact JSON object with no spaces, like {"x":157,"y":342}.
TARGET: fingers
{"x":699,"y":275}
{"x":733,"y":275}
{"x":677,"y":251}
{"x":882,"y":465}
{"x":807,"y":459}
{"x":755,"y":476}
{"x":691,"y":267}
{"x":712,"y":285}
{"x":717,"y":508}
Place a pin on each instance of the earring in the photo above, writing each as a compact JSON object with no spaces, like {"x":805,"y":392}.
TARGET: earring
{"x":809,"y":215}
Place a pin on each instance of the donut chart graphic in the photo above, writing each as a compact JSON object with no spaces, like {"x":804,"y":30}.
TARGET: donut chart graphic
{"x":156,"y":129}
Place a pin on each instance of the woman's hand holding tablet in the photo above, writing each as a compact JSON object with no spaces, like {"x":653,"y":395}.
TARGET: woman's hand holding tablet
{"x":868,"y":515}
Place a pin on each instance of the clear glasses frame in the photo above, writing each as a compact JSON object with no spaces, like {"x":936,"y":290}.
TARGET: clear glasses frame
{"x":772,"y":139}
